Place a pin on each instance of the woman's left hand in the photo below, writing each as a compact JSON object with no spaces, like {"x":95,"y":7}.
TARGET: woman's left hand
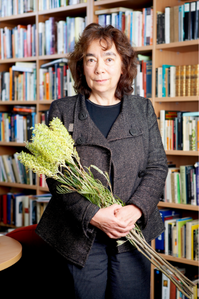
{"x":129,"y":214}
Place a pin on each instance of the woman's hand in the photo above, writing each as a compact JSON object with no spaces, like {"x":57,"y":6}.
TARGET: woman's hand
{"x":129,"y":213}
{"x":113,"y":222}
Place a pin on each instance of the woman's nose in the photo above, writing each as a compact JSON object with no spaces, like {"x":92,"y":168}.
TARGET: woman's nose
{"x":99,"y":67}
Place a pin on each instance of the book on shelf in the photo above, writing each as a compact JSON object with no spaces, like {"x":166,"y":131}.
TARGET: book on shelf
{"x":55,"y":80}
{"x":164,"y":288}
{"x":18,"y":41}
{"x":143,"y":80}
{"x":169,"y":222}
{"x":160,"y":240}
{"x":137,"y":25}
{"x":59,"y":36}
{"x":47,"y":4}
{"x":19,"y":83}
{"x":181,"y":185}
{"x":16,"y":126}
{"x":20,"y":209}
{"x":179,"y":130}
{"x":178,"y":23}
{"x":189,"y":238}
{"x":181,"y":237}
{"x":12,"y":171}
{"x":180,"y":80}
{"x":14,"y":7}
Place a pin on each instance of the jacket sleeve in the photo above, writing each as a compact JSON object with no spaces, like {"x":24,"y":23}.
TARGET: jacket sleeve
{"x":79,"y":208}
{"x":150,"y":189}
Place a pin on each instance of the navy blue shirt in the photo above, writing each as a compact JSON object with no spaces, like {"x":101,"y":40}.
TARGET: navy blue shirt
{"x":103,"y":116}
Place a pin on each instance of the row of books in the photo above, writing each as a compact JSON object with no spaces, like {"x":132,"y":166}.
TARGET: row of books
{"x":143,"y":80}
{"x":58,"y":37}
{"x":178,"y":23}
{"x":55,"y":80}
{"x":15,"y":7}
{"x":174,"y":81}
{"x":48,"y":4}
{"x":18,"y":41}
{"x":166,"y":289}
{"x":19,"y":209}
{"x":182,"y":184}
{"x":138,"y":25}
{"x":12,"y":171}
{"x":17,"y":125}
{"x":19,"y":83}
{"x":181,"y":235}
{"x":179,"y":130}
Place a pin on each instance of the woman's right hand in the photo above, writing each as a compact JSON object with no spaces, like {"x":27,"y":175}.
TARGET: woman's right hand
{"x":106,"y":220}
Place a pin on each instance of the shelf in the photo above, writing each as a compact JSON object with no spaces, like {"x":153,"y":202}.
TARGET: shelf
{"x":182,"y":153}
{"x":178,"y":99}
{"x":143,"y":49}
{"x":162,"y":204}
{"x":179,"y":45}
{"x":52,"y":57}
{"x":180,"y":260}
{"x":22,"y":59}
{"x":4,"y":143}
{"x":63,"y":9}
{"x":20,"y":186}
{"x":44,"y":189}
{"x":3,"y":103}
{"x":123,"y":3}
{"x":16,"y":17}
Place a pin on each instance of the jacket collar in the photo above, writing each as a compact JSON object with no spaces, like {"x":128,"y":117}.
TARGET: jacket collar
{"x":125,"y":126}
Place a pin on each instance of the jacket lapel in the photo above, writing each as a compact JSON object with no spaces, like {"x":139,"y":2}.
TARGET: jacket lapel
{"x":125,"y":126}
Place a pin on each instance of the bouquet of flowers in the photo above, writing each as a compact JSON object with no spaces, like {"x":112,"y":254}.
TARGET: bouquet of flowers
{"x":53,"y":154}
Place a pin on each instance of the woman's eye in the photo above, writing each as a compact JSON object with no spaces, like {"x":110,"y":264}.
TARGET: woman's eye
{"x":109,"y":60}
{"x":90,"y":60}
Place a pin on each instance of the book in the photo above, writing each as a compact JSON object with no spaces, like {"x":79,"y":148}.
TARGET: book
{"x":167,"y":25}
{"x":189,"y":237}
{"x":165,"y":287}
{"x":18,"y":210}
{"x":160,"y":240}
{"x":194,"y":241}
{"x":168,"y":236}
{"x":179,"y":223}
{"x":164,"y":67}
{"x":185,"y":183}
{"x":157,"y":284}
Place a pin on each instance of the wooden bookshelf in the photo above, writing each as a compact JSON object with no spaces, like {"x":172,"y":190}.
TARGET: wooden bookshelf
{"x":173,"y":53}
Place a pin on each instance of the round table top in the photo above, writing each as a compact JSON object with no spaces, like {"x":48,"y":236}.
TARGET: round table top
{"x":10,"y":252}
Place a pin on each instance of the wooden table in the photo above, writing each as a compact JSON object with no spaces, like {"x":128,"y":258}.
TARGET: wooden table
{"x":10,"y":252}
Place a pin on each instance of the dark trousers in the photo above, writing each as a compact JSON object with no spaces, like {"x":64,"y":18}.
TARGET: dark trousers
{"x":111,"y":275}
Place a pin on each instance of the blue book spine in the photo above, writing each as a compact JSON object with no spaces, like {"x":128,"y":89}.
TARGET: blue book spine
{"x":9,"y":208}
{"x":164,"y":67}
{"x":149,"y":79}
{"x":131,"y":28}
{"x":159,"y":241}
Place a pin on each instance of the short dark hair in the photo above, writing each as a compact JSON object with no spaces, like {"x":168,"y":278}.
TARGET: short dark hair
{"x":109,"y":35}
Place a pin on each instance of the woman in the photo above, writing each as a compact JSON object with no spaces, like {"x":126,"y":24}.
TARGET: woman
{"x":118,"y":133}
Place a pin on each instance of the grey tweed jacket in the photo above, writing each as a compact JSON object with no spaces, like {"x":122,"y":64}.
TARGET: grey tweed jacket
{"x":133,"y":149}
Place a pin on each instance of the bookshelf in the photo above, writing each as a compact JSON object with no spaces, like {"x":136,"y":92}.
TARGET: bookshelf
{"x":171,"y":53}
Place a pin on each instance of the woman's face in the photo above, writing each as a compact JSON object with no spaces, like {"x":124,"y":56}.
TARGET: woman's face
{"x":102,"y":68}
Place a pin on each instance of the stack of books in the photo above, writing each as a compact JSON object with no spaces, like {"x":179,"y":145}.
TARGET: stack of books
{"x":19,"y":209}
{"x":138,"y":25}
{"x":175,"y":81}
{"x":178,"y":23}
